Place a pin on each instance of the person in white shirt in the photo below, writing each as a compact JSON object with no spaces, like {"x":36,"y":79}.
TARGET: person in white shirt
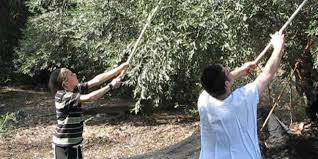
{"x":228,"y":120}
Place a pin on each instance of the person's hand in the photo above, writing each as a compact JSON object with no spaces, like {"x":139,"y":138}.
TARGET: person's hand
{"x":277,"y":41}
{"x":115,"y":83}
{"x":248,"y":67}
{"x":124,"y":66}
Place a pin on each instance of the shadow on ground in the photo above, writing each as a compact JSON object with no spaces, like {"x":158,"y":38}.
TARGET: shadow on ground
{"x":188,"y":148}
{"x":279,"y":145}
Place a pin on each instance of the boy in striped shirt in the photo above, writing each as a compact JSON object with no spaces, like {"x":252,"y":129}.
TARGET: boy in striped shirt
{"x":69,"y":95}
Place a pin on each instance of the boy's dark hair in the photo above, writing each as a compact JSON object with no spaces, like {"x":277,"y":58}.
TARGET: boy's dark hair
{"x":213,"y":79}
{"x":55,"y":82}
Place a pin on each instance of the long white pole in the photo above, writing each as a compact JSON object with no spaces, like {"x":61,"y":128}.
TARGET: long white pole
{"x":122,"y":75}
{"x":143,"y":31}
{"x":259,"y":57}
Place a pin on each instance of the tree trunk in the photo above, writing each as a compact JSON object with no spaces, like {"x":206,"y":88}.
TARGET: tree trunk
{"x":306,"y":79}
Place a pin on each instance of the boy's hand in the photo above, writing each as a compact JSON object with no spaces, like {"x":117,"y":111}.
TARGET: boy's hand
{"x":115,"y":83}
{"x":248,"y":67}
{"x":277,"y":41}
{"x":124,"y":66}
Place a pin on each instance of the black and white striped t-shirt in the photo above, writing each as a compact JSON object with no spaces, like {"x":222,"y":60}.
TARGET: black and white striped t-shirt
{"x":69,"y":114}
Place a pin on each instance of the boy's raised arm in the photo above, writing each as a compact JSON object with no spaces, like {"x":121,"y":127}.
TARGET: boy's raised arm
{"x":93,"y":96}
{"x":272,"y":64}
{"x":101,"y":78}
{"x":244,"y":70}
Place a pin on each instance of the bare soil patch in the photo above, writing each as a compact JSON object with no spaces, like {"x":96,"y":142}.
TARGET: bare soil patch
{"x":107,"y":135}
{"x":110,"y":132}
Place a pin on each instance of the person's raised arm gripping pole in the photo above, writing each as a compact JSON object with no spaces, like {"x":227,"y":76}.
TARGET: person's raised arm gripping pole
{"x":272,"y":64}
{"x":244,"y":70}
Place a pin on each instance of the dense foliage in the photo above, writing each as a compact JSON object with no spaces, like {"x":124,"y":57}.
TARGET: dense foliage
{"x":90,"y":36}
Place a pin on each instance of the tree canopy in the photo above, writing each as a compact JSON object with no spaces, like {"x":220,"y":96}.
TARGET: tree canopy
{"x":89,"y":36}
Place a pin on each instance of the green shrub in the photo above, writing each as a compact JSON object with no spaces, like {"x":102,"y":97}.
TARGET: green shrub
{"x":7,"y":122}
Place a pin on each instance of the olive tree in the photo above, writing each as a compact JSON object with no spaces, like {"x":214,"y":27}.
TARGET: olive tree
{"x":93,"y":35}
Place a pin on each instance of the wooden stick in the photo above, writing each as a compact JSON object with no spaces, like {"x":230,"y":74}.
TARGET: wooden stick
{"x":143,"y":31}
{"x":122,"y":75}
{"x":260,"y":56}
{"x":277,"y":99}
{"x":291,"y":100}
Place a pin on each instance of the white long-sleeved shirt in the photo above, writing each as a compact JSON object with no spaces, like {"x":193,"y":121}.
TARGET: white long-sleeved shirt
{"x":229,"y":127}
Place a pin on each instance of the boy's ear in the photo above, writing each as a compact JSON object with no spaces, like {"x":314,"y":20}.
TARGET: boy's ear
{"x":227,"y":84}
{"x":64,"y":84}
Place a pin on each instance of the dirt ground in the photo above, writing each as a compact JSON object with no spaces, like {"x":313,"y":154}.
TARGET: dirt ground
{"x":106,"y":135}
{"x":172,"y":135}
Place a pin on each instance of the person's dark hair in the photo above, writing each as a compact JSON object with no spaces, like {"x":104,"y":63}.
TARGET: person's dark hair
{"x":55,"y":82}
{"x":213,"y":79}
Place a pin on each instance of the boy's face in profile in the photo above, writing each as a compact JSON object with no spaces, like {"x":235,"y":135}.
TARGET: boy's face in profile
{"x":70,"y":79}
